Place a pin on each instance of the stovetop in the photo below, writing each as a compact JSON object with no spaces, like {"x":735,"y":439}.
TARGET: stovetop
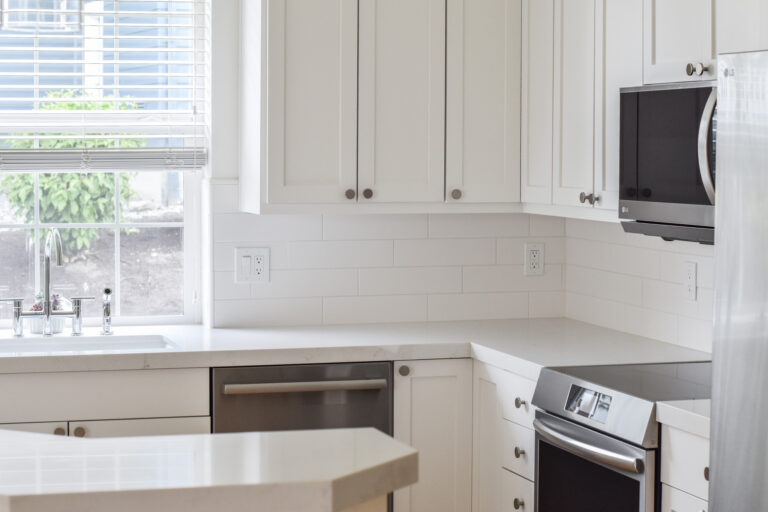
{"x":620,"y":400}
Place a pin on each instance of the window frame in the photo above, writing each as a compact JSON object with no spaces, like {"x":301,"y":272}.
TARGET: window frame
{"x":192,"y":230}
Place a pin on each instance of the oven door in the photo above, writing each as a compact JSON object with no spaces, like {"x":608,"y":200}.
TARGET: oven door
{"x":667,"y":157}
{"x":581,"y":470}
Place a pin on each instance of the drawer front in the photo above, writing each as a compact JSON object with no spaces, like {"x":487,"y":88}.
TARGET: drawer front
{"x":142,"y":427}
{"x":684,"y":458}
{"x":31,"y":397}
{"x":514,"y":436}
{"x":516,"y":493}
{"x":674,"y":500}
{"x":515,"y":394}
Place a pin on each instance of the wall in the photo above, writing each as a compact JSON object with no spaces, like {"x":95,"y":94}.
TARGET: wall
{"x":331,"y":269}
{"x":635,"y":283}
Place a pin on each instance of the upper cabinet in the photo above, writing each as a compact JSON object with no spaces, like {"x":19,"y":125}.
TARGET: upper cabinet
{"x":680,"y":40}
{"x":483,"y":101}
{"x":741,"y":26}
{"x":577,"y":54}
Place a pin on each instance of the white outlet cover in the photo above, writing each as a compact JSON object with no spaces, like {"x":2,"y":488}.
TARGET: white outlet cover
{"x":251,"y":264}
{"x":534,"y":260}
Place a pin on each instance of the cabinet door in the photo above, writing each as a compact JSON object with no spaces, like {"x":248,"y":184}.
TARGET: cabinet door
{"x":483,"y":101}
{"x":312,"y":100}
{"x":402,"y":101}
{"x":618,"y":63}
{"x":741,"y":26}
{"x":487,"y":456}
{"x":433,"y":413}
{"x":58,"y":428}
{"x":537,"y":100}
{"x":517,"y":494}
{"x":142,"y":427}
{"x":678,"y":33}
{"x":574,"y":104}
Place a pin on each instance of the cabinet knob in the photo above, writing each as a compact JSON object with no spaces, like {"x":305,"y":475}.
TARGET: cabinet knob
{"x":519,"y":402}
{"x":588,"y":198}
{"x":518,"y":452}
{"x":367,"y":193}
{"x":456,"y":194}
{"x":80,"y":432}
{"x":350,"y":193}
{"x":404,"y":371}
{"x":697,"y":69}
{"x":706,"y":473}
{"x":59,"y":431}
{"x":518,"y":504}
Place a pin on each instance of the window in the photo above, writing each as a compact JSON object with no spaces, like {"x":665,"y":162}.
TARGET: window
{"x":103,"y":111}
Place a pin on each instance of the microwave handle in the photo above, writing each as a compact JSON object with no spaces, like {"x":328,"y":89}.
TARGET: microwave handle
{"x":704,"y":126}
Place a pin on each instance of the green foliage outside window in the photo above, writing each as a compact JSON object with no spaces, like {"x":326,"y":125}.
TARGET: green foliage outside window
{"x":71,"y":197}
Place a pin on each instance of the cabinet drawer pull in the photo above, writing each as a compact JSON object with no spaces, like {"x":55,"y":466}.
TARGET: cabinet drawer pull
{"x":697,"y":68}
{"x":519,"y":402}
{"x":404,"y":371}
{"x":350,"y":193}
{"x":59,"y":431}
{"x":456,"y":194}
{"x":518,"y":452}
{"x":518,"y":504}
{"x":80,"y":432}
{"x":588,"y":198}
{"x":367,"y":193}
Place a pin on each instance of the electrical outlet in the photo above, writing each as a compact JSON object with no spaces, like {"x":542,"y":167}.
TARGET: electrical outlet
{"x":691,"y":284}
{"x":251,"y":265}
{"x":534,"y":260}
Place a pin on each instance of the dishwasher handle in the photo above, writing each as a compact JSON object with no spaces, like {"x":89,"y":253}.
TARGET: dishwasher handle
{"x":264,"y":388}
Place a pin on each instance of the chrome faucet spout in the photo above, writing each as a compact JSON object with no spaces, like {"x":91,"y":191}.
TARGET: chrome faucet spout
{"x":52,"y":243}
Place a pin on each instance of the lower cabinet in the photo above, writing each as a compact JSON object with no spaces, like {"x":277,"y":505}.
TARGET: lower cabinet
{"x":674,"y":500}
{"x":504,"y":441}
{"x":433,"y":413}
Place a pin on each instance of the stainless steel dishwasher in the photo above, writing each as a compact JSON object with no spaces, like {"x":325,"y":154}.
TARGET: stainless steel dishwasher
{"x":302,"y":397}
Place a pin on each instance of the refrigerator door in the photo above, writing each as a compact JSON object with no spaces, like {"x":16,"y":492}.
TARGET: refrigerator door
{"x":739,"y":444}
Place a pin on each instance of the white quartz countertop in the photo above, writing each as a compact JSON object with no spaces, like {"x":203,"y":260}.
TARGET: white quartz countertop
{"x":311,"y":471}
{"x":523,"y":346}
{"x":691,"y":416}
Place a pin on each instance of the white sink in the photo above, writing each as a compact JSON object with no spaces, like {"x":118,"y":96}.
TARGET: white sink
{"x":65,"y":344}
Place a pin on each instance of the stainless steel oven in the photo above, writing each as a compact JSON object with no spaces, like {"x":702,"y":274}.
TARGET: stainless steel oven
{"x":597,"y":440}
{"x":668,"y":144}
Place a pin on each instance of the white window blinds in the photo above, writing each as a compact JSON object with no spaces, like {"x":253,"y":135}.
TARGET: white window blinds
{"x":103,"y":84}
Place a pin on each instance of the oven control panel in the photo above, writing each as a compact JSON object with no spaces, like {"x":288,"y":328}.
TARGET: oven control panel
{"x":588,"y":403}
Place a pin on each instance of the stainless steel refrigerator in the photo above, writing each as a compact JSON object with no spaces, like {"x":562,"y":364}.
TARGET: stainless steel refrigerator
{"x":739,"y":440}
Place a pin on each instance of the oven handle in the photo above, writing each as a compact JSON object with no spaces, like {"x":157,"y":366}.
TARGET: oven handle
{"x":587,"y":451}
{"x":704,"y":126}
{"x":304,"y":387}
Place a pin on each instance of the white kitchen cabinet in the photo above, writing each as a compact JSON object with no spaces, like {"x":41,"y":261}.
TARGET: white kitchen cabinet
{"x":685,"y":461}
{"x":401,"y":133}
{"x":517,"y":493}
{"x":433,"y":413}
{"x":674,"y":500}
{"x":483,"y":101}
{"x":679,"y":33}
{"x":741,"y":26}
{"x":141,"y":427}
{"x":58,"y":428}
{"x":311,"y":86}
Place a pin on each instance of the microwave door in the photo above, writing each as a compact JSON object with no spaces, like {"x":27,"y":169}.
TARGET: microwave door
{"x":706,"y":143}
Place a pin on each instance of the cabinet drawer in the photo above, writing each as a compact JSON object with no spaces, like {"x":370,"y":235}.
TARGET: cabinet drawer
{"x":31,"y":397}
{"x":674,"y":500}
{"x":515,"y":394}
{"x":142,"y":427}
{"x":514,"y":436}
{"x":516,"y":490}
{"x":684,"y":458}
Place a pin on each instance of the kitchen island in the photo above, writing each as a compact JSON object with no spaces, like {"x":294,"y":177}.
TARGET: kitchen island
{"x":349,"y":470}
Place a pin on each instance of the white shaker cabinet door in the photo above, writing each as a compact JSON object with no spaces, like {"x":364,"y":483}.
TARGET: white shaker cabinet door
{"x":678,"y":33}
{"x":487,"y":468}
{"x":483,"y":101}
{"x":312,"y":101}
{"x":401,"y":138}
{"x":433,"y":413}
{"x":574,"y":103}
{"x":537,"y":106}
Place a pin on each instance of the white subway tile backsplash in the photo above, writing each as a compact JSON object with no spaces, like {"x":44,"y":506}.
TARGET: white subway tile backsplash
{"x":547,"y":226}
{"x":594,"y":310}
{"x":546,"y":304}
{"x":340,"y":254}
{"x":374,"y":227}
{"x":510,"y":278}
{"x":695,"y":333}
{"x":410,"y":280}
{"x":478,"y":306}
{"x":489,"y":225}
{"x":604,"y":285}
{"x":307,"y":283}
{"x":237,"y":227}
{"x":445,"y":252}
{"x":612,"y":257}
{"x":268,"y":312}
{"x":365,"y":310}
{"x":650,"y":324}
{"x":511,"y":251}
{"x":224,"y":254}
{"x":225,"y":198}
{"x":225,"y":287}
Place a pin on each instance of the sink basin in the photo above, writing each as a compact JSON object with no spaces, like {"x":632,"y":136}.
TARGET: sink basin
{"x":63,"y":344}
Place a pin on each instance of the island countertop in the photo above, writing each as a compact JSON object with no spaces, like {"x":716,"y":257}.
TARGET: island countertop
{"x":311,"y":471}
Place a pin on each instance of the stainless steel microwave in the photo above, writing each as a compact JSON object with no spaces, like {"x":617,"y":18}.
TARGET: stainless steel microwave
{"x":667,"y":160}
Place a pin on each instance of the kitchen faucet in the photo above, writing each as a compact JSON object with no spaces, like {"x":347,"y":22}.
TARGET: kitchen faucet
{"x":52,"y":249}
